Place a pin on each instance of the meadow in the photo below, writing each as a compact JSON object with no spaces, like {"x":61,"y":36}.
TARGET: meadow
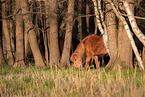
{"x":43,"y":82}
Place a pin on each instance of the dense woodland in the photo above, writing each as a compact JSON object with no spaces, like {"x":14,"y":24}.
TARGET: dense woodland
{"x":47,"y":32}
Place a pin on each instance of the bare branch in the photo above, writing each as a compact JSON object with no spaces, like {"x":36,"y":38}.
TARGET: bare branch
{"x":137,"y":17}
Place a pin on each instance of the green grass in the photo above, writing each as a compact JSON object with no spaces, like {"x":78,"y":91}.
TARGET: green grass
{"x":43,"y":82}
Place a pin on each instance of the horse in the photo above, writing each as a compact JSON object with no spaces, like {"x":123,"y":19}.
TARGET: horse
{"x":92,"y":46}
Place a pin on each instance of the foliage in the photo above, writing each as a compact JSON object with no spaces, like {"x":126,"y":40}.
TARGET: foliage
{"x":70,"y":82}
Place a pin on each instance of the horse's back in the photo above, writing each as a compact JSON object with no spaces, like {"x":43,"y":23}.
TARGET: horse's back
{"x":94,"y":44}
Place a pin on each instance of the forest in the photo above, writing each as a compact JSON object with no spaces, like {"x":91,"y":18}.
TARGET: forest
{"x":47,"y":32}
{"x":39,"y":37}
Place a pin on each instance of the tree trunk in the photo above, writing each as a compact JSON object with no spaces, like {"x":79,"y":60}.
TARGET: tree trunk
{"x":19,"y":38}
{"x":87,"y":17}
{"x":99,"y":21}
{"x":112,"y":36}
{"x":54,"y":53}
{"x":7,"y":36}
{"x":80,"y":33}
{"x":46,"y":34}
{"x":2,"y":59}
{"x":133,"y":23}
{"x":68,"y":34}
{"x":124,"y":46}
{"x":27,"y":45}
{"x":31,"y":34}
{"x":128,"y":34}
{"x":143,"y":56}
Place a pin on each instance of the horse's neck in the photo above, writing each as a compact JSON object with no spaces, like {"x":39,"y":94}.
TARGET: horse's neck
{"x":82,"y":49}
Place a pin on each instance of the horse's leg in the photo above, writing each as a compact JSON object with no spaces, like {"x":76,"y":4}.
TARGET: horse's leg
{"x":88,"y":57}
{"x":96,"y":61}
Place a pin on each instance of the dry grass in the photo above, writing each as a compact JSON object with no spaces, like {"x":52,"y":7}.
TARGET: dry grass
{"x":44,"y":82}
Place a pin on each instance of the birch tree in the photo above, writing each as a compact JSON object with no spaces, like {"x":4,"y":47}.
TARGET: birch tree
{"x":132,"y":20}
{"x":101,"y":23}
{"x":102,"y":27}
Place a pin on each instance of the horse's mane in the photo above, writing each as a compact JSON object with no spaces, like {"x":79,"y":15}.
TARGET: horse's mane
{"x":80,"y":48}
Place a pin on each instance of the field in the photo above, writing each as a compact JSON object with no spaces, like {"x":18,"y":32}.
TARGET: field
{"x":43,"y":82}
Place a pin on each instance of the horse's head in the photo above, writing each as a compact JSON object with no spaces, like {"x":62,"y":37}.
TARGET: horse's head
{"x":77,"y":60}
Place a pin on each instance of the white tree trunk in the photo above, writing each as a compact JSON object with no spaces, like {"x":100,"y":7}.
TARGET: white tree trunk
{"x":103,"y":31}
{"x":132,"y":21}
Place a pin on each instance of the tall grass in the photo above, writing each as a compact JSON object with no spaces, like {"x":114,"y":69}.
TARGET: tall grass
{"x":43,"y":82}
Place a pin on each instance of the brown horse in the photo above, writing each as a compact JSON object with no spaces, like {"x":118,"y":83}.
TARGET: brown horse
{"x":93,"y":46}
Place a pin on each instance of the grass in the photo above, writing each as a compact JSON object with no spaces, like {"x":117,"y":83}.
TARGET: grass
{"x":71,"y":83}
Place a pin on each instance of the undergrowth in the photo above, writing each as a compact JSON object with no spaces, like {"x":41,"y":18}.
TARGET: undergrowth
{"x":71,"y":82}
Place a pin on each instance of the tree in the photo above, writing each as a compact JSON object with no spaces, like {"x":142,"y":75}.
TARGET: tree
{"x":7,"y":34}
{"x":101,"y":23}
{"x":87,"y":13}
{"x":46,"y":32}
{"x":39,"y":62}
{"x":19,"y":37}
{"x":141,"y":24}
{"x":54,"y":53}
{"x":111,"y":23}
{"x":133,"y":24}
{"x":118,"y":42}
{"x":2,"y":59}
{"x":68,"y":34}
{"x":143,"y":56}
{"x":124,"y":46}
{"x":80,"y":19}
{"x":118,"y":14}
